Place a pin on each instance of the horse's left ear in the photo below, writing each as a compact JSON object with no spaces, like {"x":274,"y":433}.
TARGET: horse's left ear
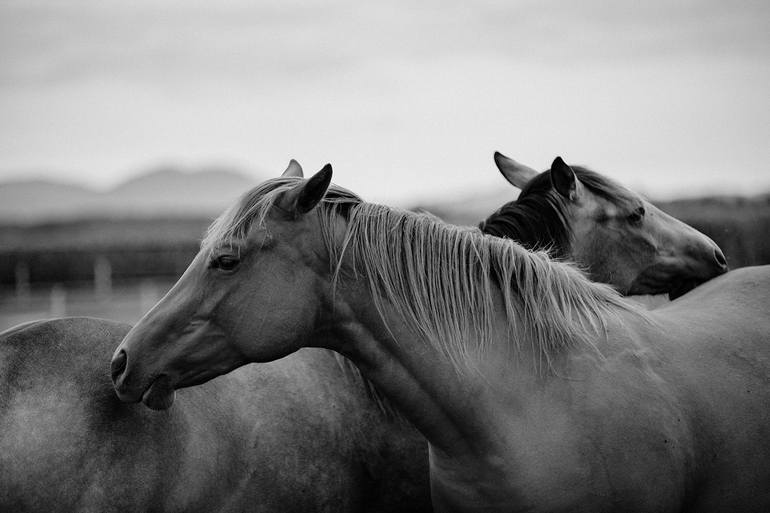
{"x":564,"y":180}
{"x":304,"y":197}
{"x":293,"y":169}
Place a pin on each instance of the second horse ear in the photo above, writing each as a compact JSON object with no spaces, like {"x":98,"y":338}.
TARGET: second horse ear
{"x":563,"y":179}
{"x":293,"y":169}
{"x":517,"y":174}
{"x":306,"y":195}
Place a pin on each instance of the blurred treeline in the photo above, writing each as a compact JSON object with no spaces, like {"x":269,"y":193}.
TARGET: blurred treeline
{"x":134,"y":249}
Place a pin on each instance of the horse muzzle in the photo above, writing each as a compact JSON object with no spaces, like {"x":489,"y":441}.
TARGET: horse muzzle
{"x":158,"y":395}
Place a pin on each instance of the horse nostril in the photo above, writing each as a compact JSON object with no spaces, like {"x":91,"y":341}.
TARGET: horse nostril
{"x":720,"y":257}
{"x":118,"y":365}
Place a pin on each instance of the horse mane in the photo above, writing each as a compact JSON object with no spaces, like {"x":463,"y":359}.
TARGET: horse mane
{"x":442,"y":279}
{"x":537,"y":218}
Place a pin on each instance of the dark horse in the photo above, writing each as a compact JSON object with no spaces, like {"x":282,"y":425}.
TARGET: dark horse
{"x":302,"y":434}
{"x":618,"y":237}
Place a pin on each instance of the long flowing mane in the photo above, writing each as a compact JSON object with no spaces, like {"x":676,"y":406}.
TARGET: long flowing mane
{"x":537,"y":218}
{"x":444,"y":280}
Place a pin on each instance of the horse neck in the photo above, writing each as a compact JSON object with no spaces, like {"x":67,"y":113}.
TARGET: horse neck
{"x":436,"y":316}
{"x":449,"y":406}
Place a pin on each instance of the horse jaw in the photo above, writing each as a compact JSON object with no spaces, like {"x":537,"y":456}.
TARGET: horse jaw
{"x":682,"y":287}
{"x":160,"y":394}
{"x":664,"y":278}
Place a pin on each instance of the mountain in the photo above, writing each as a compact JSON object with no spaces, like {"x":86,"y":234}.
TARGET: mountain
{"x":169,"y":190}
{"x":34,"y":198}
{"x":163,"y":191}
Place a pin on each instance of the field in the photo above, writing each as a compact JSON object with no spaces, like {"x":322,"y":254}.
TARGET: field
{"x":118,"y":268}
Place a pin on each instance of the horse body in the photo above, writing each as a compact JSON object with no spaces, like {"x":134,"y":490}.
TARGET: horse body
{"x":670,"y":418}
{"x":270,"y":438}
{"x":536,"y":389}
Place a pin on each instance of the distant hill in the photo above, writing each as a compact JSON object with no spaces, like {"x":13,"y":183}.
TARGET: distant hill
{"x":161,"y":192}
{"x":22,"y":200}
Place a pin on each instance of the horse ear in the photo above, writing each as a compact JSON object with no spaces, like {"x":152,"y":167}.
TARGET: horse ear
{"x":304,"y":197}
{"x":293,"y":169}
{"x":563,"y":179}
{"x":517,"y":174}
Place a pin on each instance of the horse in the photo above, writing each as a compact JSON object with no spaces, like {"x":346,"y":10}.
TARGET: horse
{"x":303,"y":434}
{"x":299,"y":435}
{"x":616,"y":235}
{"x":535,"y":388}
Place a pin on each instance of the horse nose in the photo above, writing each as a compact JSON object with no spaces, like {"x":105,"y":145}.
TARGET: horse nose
{"x":118,"y":365}
{"x":720,"y":259}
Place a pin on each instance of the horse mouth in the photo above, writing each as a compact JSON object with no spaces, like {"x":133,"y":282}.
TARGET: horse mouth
{"x":160,"y":394}
{"x":664,"y":279}
{"x":682,"y":287}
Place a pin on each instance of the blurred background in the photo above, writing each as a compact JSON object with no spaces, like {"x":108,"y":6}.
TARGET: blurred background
{"x":127,"y":126}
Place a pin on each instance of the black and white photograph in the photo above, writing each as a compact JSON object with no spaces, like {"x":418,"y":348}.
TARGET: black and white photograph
{"x":384,"y":257}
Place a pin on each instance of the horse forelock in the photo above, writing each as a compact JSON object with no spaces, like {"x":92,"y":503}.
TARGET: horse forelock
{"x":252,"y":209}
{"x":538,"y":218}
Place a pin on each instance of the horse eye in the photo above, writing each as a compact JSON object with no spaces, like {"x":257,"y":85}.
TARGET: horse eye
{"x":636,"y":216}
{"x":225,"y":263}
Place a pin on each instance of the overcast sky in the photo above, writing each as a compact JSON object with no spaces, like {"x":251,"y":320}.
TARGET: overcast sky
{"x":407,"y":100}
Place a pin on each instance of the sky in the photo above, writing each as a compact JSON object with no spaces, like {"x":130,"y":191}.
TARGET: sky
{"x":407,"y":100}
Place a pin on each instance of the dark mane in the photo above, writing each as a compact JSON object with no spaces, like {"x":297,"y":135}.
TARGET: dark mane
{"x":537,"y":218}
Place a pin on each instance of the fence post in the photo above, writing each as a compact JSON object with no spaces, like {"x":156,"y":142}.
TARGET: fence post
{"x":102,"y":277}
{"x":22,"y":281}
{"x":58,"y":301}
{"x":148,"y":295}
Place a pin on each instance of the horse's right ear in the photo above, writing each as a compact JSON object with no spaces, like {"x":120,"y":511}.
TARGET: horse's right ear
{"x":305,"y":196}
{"x":517,"y":174}
{"x":563,"y":179}
{"x":293,"y":169}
